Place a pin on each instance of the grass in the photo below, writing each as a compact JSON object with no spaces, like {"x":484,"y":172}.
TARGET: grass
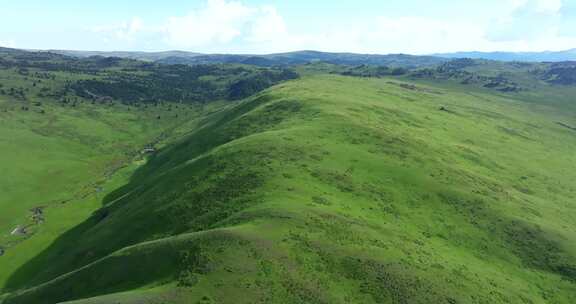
{"x":62,"y":158}
{"x":332,"y":189}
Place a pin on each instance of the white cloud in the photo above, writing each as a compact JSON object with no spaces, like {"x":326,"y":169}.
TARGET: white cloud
{"x":415,"y":35}
{"x":418,"y":34}
{"x":7,"y":43}
{"x":219,"y":22}
{"x":568,"y":23}
{"x":530,"y":20}
{"x":124,"y":31}
{"x":230,"y":26}
{"x":540,"y":6}
{"x":268,"y":26}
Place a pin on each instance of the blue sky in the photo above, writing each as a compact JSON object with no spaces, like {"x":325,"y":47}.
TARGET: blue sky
{"x":264,"y":26}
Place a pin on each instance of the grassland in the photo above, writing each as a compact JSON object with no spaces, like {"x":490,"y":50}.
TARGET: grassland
{"x":331,"y":189}
{"x":63,"y":158}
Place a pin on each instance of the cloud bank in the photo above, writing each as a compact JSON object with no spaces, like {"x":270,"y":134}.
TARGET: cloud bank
{"x":232,"y":26}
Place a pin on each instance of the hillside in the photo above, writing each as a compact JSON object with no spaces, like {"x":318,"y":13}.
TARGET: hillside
{"x":550,"y":83}
{"x":62,"y":153}
{"x":103,"y":79}
{"x":72,"y":130}
{"x":334,"y":189}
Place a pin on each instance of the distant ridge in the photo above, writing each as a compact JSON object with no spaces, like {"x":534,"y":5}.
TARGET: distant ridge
{"x":147,"y":56}
{"x":309,"y":56}
{"x":548,"y":56}
{"x":279,"y":59}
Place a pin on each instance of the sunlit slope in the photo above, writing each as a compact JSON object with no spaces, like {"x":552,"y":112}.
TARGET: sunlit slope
{"x":62,"y":159}
{"x":64,"y":148}
{"x":331,"y":189}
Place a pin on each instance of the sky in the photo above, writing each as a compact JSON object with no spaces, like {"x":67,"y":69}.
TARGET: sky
{"x":268,"y":26}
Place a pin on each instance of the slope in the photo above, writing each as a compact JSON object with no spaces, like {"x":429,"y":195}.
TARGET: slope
{"x":59,"y":152}
{"x":54,"y":156}
{"x":335,"y":189}
{"x":71,"y":130}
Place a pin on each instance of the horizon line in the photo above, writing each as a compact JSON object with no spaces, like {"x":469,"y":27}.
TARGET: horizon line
{"x":283,"y":52}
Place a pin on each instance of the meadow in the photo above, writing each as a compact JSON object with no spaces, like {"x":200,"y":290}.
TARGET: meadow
{"x":325,"y":189}
{"x":61,"y":158}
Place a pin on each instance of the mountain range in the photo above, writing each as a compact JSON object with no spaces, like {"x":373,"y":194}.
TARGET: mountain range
{"x":302,"y":57}
{"x":291,"y":58}
{"x":548,"y":56}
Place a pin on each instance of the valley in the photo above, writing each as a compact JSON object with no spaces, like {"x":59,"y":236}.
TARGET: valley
{"x":307,"y":183}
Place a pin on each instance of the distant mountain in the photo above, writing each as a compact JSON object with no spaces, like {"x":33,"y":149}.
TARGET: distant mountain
{"x":304,"y":57}
{"x":146,"y":56}
{"x":280,"y":59}
{"x":568,"y":55}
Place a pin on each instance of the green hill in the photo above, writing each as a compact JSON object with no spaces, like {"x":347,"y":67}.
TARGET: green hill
{"x":73,"y":130}
{"x":331,"y":189}
{"x":59,"y":159}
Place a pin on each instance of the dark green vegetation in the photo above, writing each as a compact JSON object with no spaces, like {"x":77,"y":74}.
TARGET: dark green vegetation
{"x":390,"y":188}
{"x":281,"y":59}
{"x":563,"y":73}
{"x":102,"y":79}
{"x":302,"y":57}
{"x":145,"y":56}
{"x":69,"y":133}
{"x":507,"y":77}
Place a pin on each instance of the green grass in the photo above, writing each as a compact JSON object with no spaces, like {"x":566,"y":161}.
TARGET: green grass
{"x":63,"y":158}
{"x":333,"y":189}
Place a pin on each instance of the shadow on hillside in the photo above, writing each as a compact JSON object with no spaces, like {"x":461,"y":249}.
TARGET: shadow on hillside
{"x":89,"y":241}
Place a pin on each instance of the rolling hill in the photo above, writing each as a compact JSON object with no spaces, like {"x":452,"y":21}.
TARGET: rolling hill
{"x":72,"y":130}
{"x":303,"y":57}
{"x":280,"y":59}
{"x":334,"y":189}
{"x":348,"y":184}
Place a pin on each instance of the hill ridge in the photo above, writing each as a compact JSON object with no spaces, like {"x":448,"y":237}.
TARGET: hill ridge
{"x":336,"y":191}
